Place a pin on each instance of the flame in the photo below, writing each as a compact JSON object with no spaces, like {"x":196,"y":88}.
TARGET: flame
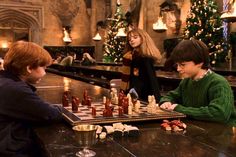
{"x":66,"y":37}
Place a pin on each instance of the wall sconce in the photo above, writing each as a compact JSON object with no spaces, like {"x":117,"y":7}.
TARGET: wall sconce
{"x":121,"y":32}
{"x":230,"y":15}
{"x":100,"y":25}
{"x":67,"y":39}
{"x":97,"y":37}
{"x":159,"y":25}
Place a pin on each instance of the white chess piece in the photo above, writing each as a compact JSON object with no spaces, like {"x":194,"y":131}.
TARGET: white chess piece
{"x":137,"y":106}
{"x":104,"y":99}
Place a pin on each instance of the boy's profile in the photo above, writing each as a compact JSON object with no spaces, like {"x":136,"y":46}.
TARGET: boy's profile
{"x":202,"y":94}
{"x":20,"y":107}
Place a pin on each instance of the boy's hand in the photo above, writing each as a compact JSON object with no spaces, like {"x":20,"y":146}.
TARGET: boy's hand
{"x":168,"y":106}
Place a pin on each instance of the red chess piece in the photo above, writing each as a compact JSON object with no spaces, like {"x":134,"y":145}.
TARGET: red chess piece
{"x":104,"y":113}
{"x":107,"y":103}
{"x":93,"y":111}
{"x":120,"y":110}
{"x":85,"y":94}
{"x":65,"y":101}
{"x":125,"y":105}
{"x":77,"y":101}
{"x":88,"y":101}
{"x":109,"y":113}
{"x":120,"y":98}
{"x":74,"y":105}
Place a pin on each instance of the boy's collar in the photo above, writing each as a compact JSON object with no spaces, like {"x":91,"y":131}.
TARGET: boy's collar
{"x":209,"y":71}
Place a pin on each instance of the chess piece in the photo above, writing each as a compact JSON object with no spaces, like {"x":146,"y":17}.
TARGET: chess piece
{"x":137,"y":106}
{"x":107,"y":112}
{"x":74,"y":104}
{"x":125,"y":105}
{"x":67,"y":93}
{"x":93,"y":111}
{"x":65,"y":101}
{"x":85,"y":98}
{"x":104,"y":99}
{"x":120,"y":98}
{"x":88,"y":101}
{"x":151,"y":107}
{"x":114,"y":96}
{"x":120,"y":111}
{"x":85,"y":95}
{"x":77,"y":101}
{"x":130,"y":106}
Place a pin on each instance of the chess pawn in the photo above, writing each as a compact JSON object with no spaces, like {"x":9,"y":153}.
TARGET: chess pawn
{"x":83,"y":102}
{"x":109,"y":112}
{"x":67,"y":93}
{"x":120,"y":111}
{"x":77,"y":101}
{"x":149,"y":108}
{"x":74,"y":105}
{"x":107,"y":104}
{"x":125,"y":105}
{"x":85,"y":94}
{"x":137,"y":106}
{"x":120,"y":98}
{"x":116,"y":100}
{"x":130,"y":109}
{"x":154,"y":106}
{"x":93,"y":111}
{"x":150,"y":98}
{"x":113,"y":95}
{"x":65,"y":101}
{"x":104,"y":99}
{"x":88,"y":101}
{"x":104,"y":113}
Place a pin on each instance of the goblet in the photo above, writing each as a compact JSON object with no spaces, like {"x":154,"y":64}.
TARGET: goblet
{"x":86,"y":136}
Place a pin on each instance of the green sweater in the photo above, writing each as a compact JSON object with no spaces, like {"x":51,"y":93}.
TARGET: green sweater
{"x":210,"y":98}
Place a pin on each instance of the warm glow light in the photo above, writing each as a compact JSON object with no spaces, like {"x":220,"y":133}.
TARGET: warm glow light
{"x":66,"y":37}
{"x":4,"y":45}
{"x":66,"y":82}
{"x":97,"y":37}
{"x":230,"y":15}
{"x":159,"y":25}
{"x":97,"y":90}
{"x":121,"y":32}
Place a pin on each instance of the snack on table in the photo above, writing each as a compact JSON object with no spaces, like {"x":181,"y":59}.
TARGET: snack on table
{"x":174,"y":125}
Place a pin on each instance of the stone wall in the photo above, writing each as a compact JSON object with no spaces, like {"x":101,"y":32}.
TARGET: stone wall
{"x":85,"y":15}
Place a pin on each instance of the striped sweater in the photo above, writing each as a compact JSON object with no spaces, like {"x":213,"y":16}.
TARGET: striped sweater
{"x":210,"y":98}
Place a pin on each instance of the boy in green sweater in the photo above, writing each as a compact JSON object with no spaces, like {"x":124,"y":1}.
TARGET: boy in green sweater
{"x":202,"y":94}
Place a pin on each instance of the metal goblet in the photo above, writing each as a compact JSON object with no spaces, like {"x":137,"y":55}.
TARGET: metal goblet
{"x":86,"y":136}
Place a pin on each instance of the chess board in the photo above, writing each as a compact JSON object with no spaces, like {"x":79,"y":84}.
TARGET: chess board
{"x":84,"y":115}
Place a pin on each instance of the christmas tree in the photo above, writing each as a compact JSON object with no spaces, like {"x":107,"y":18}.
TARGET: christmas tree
{"x":204,"y":23}
{"x":113,"y":44}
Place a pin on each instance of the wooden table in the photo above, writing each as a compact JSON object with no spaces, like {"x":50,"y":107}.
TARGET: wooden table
{"x":200,"y":139}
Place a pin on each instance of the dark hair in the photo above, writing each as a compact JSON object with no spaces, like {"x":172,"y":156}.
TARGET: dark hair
{"x":191,"y":50}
